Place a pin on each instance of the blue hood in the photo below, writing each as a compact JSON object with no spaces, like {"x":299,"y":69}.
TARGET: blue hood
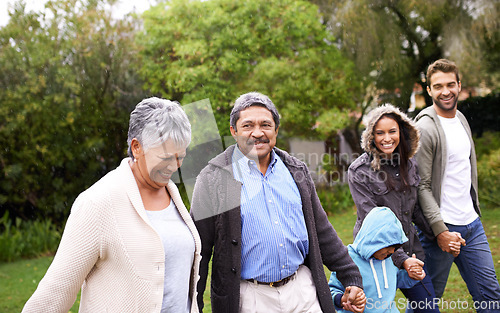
{"x":380,"y":229}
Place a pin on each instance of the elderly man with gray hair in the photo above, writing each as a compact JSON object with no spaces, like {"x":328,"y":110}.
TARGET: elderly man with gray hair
{"x":259,"y":217}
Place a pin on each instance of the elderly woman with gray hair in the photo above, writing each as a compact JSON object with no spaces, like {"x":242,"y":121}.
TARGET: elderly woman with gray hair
{"x":129,"y":242}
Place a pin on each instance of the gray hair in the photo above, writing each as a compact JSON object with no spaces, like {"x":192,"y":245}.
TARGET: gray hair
{"x":250,"y":99}
{"x":155,"y":120}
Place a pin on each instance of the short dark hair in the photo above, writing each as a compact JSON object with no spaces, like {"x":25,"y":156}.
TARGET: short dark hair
{"x":442,"y":65}
{"x":253,"y":99}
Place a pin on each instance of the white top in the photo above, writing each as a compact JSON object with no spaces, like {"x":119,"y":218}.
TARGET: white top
{"x":110,"y":247}
{"x":456,"y":200}
{"x":178,"y":245}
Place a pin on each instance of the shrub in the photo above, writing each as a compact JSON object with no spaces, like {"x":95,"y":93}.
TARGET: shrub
{"x":489,"y":180}
{"x":482,"y":113}
{"x":335,"y":199}
{"x":488,"y":153}
{"x":66,"y":94}
{"x":26,"y":238}
{"x":487,"y":143}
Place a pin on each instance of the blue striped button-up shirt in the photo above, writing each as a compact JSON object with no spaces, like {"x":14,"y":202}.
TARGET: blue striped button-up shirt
{"x":273,"y":229}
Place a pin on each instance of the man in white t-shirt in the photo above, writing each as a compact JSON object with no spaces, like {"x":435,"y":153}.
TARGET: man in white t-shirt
{"x":448,"y":192}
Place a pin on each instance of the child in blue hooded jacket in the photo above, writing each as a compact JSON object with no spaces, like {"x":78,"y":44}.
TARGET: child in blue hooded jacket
{"x":380,"y":235}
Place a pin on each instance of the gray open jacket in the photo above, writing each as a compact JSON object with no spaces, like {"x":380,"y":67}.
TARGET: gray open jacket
{"x":216,"y":211}
{"x":367,"y":177}
{"x":432,"y":162}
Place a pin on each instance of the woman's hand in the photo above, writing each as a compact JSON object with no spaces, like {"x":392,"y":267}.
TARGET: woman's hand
{"x":414,"y":267}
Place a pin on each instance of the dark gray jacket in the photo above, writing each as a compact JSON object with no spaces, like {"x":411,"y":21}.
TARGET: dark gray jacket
{"x":432,"y":162}
{"x":368,"y":176}
{"x":216,"y":211}
{"x":369,"y":190}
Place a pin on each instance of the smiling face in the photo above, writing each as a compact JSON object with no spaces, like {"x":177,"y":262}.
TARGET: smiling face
{"x":255,"y":133}
{"x":158,"y":164}
{"x":386,"y":136}
{"x":384,"y":253}
{"x":444,"y":90}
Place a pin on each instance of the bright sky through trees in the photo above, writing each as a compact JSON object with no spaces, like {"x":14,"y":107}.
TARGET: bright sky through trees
{"x":122,"y":7}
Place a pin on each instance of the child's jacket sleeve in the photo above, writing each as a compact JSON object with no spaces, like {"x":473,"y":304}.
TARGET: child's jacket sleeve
{"x":337,"y":291}
{"x":404,"y":281}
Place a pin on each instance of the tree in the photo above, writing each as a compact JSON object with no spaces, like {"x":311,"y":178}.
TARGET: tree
{"x":68,"y":83}
{"x":487,"y":29}
{"x":220,"y":49}
{"x":393,"y":41}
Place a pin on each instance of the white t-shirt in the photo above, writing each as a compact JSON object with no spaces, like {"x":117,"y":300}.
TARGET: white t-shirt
{"x":178,"y":244}
{"x":456,"y":200}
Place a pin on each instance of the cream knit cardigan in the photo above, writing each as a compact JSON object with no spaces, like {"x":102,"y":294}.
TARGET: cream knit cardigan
{"x":112,"y":252}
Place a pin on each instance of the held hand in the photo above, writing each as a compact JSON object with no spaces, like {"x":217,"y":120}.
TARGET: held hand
{"x":354,"y":299}
{"x":414,"y":267}
{"x":417,"y":272}
{"x":450,"y":242}
{"x":454,"y":248}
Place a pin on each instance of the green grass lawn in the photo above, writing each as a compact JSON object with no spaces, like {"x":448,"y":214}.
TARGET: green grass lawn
{"x":18,"y":280}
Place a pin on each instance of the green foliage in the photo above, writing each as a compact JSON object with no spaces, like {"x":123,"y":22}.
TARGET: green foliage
{"x":68,"y":84}
{"x":482,"y":113}
{"x":335,"y":199}
{"x":393,"y":42}
{"x":489,"y":180}
{"x":26,"y":239}
{"x":487,"y":144}
{"x":220,"y":49}
{"x":488,"y":152}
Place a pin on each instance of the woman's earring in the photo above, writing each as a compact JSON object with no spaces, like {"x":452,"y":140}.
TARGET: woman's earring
{"x":135,"y":160}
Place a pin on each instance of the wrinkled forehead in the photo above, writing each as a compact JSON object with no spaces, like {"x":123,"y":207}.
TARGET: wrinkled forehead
{"x":256,"y":113}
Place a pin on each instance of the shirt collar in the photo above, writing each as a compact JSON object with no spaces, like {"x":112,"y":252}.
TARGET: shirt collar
{"x":244,"y":162}
{"x":274,"y":159}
